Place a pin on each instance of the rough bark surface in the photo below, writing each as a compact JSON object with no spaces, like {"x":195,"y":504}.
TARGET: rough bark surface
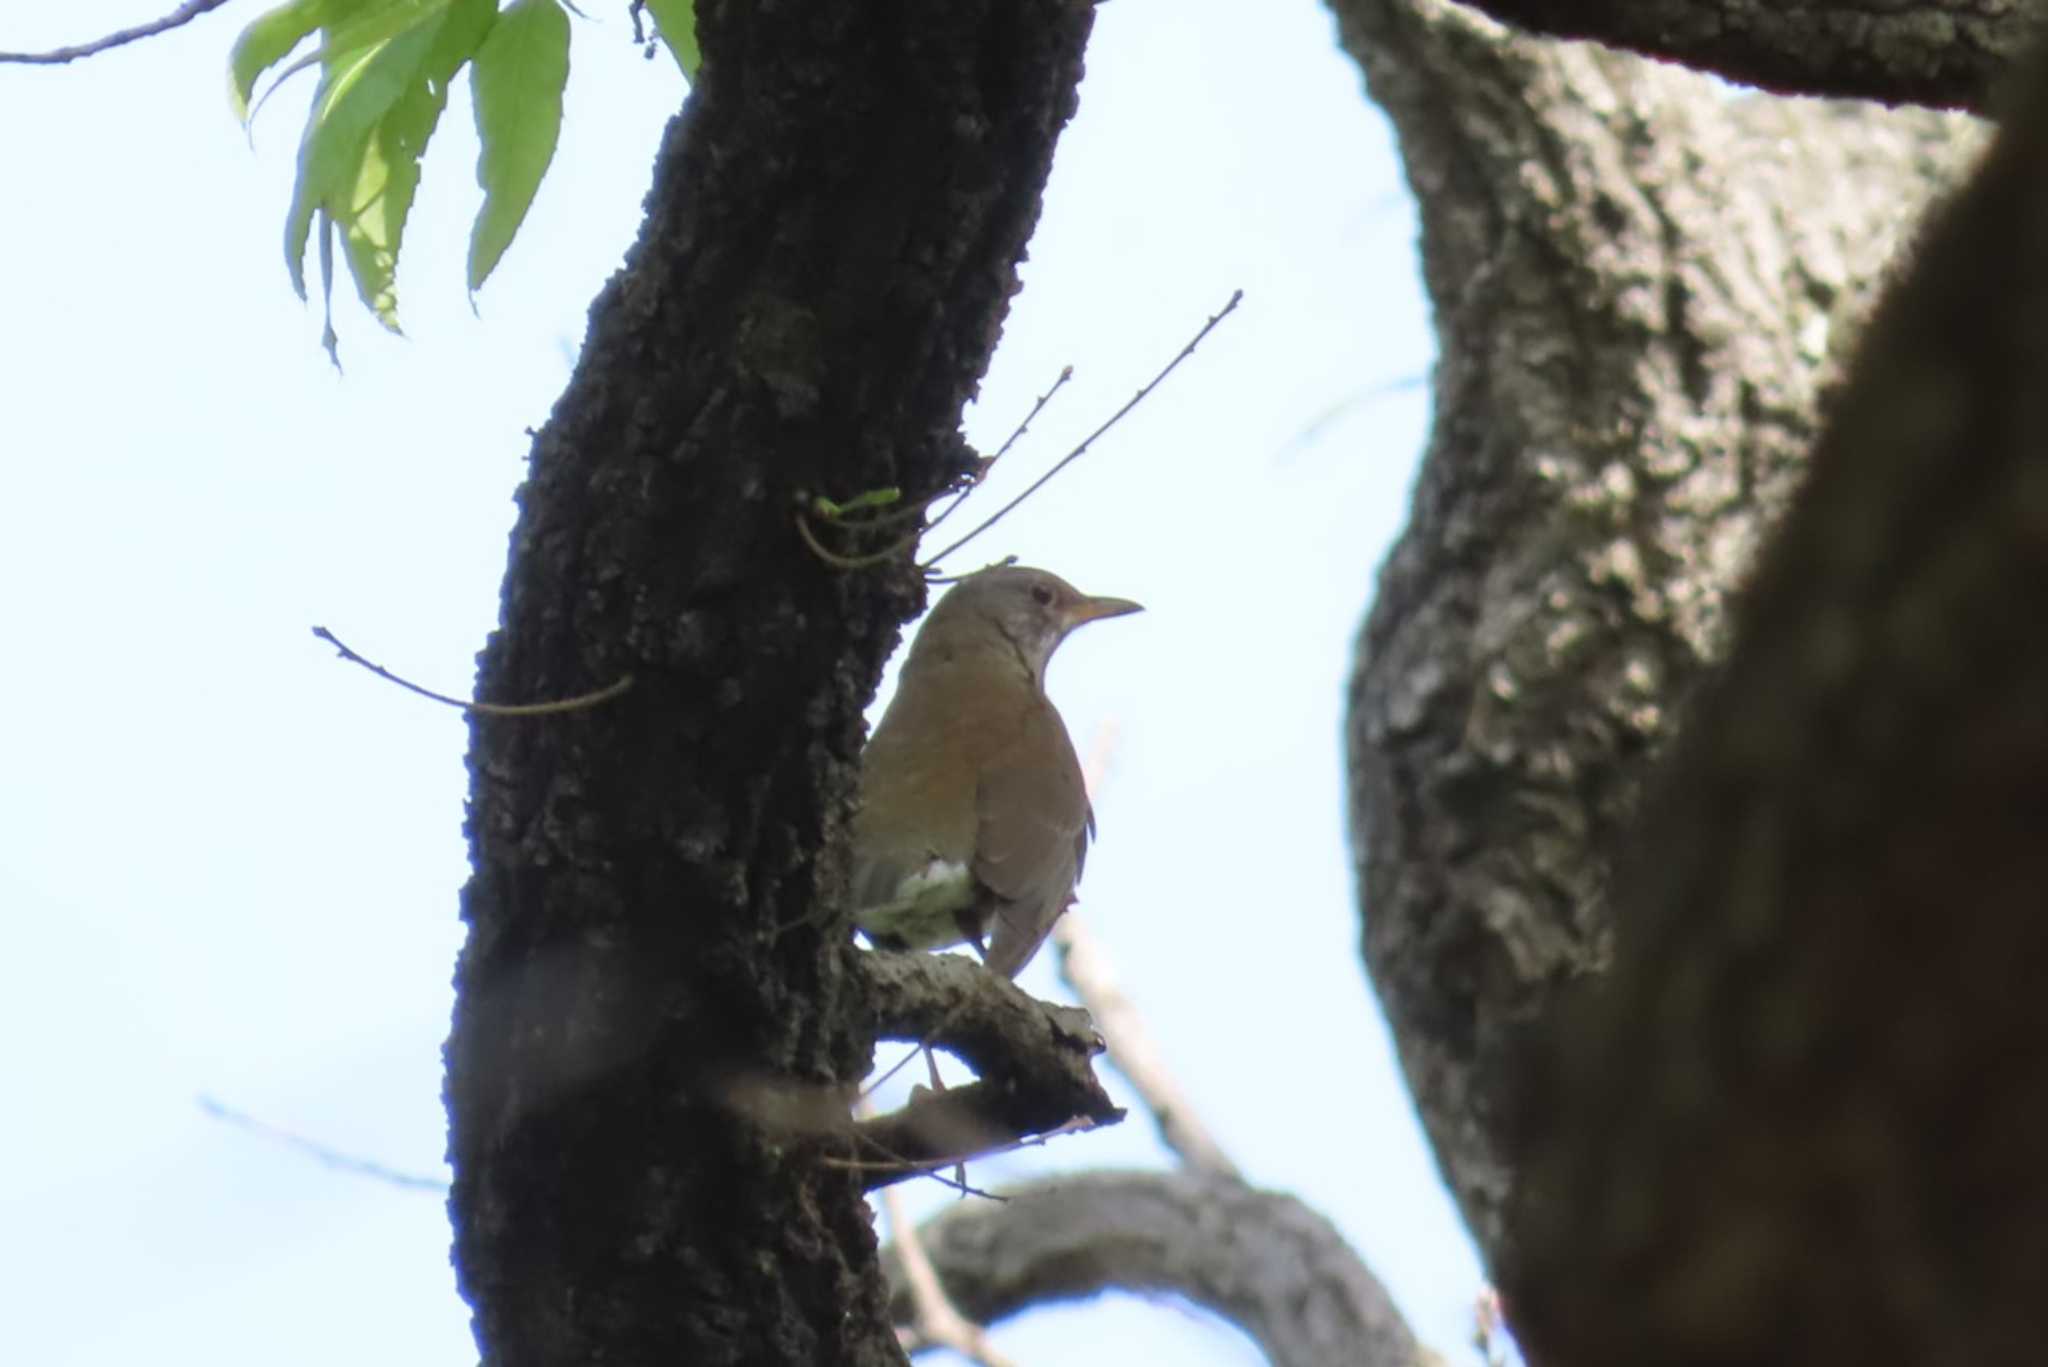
{"x":1641,"y":287}
{"x":656,"y":1020}
{"x":1948,"y":53}
{"x":1804,"y":1120}
{"x":1262,"y":1260}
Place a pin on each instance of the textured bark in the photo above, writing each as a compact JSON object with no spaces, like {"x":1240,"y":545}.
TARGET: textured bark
{"x":656,"y":1018}
{"x":1804,"y":1120}
{"x":1641,"y":286}
{"x":1948,"y":53}
{"x":1264,"y":1261}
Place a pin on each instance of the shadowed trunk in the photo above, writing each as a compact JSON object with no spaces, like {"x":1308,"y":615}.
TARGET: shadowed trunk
{"x":1803,"y":1119}
{"x":656,"y":1019}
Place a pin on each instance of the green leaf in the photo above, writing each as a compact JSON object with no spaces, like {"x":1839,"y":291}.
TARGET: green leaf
{"x":676,"y":21}
{"x":517,"y":81}
{"x":356,"y":91}
{"x":267,"y":40}
{"x":873,"y":498}
{"x":373,"y":220}
{"x":377,"y":20}
{"x":365,"y":24}
{"x":330,"y":340}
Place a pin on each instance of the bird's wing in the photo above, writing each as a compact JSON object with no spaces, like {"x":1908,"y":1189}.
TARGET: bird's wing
{"x":1033,"y":824}
{"x":913,"y":835}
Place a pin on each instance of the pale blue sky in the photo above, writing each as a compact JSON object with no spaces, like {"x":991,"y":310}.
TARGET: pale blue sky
{"x":230,"y":863}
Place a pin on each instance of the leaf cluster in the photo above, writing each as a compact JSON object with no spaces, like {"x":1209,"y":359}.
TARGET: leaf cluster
{"x":385,"y":70}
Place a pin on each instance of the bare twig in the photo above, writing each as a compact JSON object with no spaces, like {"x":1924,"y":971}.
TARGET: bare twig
{"x":333,"y":1158}
{"x":981,"y":472}
{"x":1033,"y":1058}
{"x":1236,"y":298}
{"x":177,"y":18}
{"x":917,"y":1118}
{"x":1133,"y":1050}
{"x":905,"y":514}
{"x":578,"y":703}
{"x":931,"y":578}
{"x":902,"y":1169}
{"x":934,"y":1323}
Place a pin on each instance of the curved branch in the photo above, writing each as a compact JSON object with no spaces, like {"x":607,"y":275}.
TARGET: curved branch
{"x":1264,"y":1261}
{"x":1641,"y":286}
{"x":1946,"y":53}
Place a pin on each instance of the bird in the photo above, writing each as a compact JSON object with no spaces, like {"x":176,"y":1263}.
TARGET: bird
{"x":973,"y":821}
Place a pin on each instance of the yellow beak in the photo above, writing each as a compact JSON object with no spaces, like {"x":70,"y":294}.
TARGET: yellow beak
{"x":1094,"y":609}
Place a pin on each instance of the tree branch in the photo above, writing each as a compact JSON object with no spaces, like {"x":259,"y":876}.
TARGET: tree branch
{"x":934,"y":1321}
{"x":1033,"y":1060}
{"x":1263,"y":1261}
{"x":1642,"y":288}
{"x":1946,"y":53}
{"x":1132,"y":1049}
{"x":177,"y":18}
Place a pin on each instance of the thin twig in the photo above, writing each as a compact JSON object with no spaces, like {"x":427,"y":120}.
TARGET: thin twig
{"x":333,"y":1158}
{"x":579,"y":703}
{"x":1236,"y":298}
{"x":932,"y":1167}
{"x":935,"y":1323}
{"x":981,"y":471}
{"x":177,"y":18}
{"x":931,"y":578}
{"x":922,"y":1047}
{"x":1133,"y":1050}
{"x":864,"y":1108}
{"x":936,"y":1170}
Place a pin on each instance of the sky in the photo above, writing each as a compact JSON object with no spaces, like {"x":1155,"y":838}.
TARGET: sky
{"x":230,"y":863}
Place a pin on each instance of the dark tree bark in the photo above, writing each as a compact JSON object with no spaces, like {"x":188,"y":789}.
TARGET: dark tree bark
{"x":657,"y":1016}
{"x":1948,"y":53}
{"x":1642,"y":287}
{"x":1804,"y":1119}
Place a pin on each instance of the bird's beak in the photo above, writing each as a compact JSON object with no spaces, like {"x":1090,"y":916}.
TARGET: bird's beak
{"x":1094,"y":609}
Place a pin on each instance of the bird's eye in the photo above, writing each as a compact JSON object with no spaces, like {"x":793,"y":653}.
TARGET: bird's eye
{"x":1042,"y":595}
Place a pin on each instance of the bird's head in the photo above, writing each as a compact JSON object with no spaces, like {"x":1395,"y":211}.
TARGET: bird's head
{"x":1028,"y":610}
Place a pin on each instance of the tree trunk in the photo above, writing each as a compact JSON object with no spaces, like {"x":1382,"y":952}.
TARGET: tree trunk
{"x":1803,"y":1120}
{"x":1643,"y":286}
{"x":656,"y":1022}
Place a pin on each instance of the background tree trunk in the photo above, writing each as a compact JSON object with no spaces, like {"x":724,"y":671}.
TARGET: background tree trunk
{"x":1803,"y":1119}
{"x":654,"y":1028}
{"x":1644,"y":287}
